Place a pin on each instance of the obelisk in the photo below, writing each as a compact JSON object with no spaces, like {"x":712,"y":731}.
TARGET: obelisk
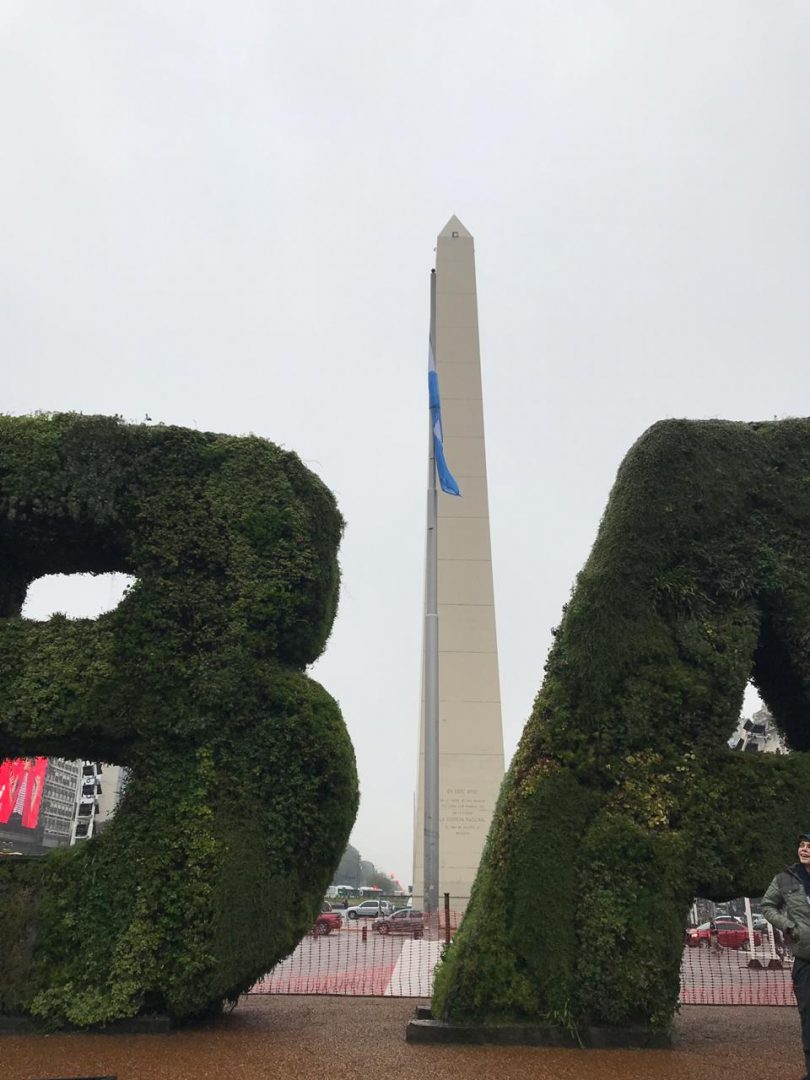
{"x":470,"y":730}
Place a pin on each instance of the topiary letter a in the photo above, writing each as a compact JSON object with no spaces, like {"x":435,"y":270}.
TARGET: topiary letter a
{"x":624,"y":801}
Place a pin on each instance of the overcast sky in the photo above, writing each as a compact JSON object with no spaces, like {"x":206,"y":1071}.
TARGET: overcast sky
{"x":224,"y":216}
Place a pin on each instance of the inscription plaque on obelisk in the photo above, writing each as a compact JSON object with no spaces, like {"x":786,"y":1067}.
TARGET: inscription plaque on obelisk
{"x":470,"y":731}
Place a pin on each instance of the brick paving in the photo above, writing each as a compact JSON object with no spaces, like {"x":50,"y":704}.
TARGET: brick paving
{"x":339,"y":1038}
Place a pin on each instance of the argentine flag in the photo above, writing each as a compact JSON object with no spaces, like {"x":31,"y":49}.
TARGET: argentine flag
{"x":446,"y":480}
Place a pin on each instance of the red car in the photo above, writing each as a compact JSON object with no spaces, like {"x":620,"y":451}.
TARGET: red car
{"x":726,"y":930}
{"x":327,"y":921}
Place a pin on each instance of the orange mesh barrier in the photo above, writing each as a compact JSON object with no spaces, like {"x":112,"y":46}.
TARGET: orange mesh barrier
{"x":396,"y":958}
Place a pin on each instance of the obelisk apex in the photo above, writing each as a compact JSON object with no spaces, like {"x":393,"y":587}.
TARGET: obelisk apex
{"x":470,"y":729}
{"x":455,"y":229}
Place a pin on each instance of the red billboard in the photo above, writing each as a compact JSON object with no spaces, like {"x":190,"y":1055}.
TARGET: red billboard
{"x":22,"y":782}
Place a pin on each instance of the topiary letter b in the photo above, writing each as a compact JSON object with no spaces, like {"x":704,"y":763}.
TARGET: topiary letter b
{"x":242,"y":787}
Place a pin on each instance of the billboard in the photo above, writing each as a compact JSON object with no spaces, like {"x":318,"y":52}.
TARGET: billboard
{"x":22,"y":782}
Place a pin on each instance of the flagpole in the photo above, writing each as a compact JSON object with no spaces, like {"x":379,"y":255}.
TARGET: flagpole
{"x":431,"y":667}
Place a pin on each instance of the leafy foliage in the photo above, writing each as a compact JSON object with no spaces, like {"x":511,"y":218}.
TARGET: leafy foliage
{"x":348,"y":871}
{"x":243,"y":788}
{"x":623,"y":800}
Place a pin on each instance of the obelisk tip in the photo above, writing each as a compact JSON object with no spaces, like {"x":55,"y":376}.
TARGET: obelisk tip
{"x":454,"y":228}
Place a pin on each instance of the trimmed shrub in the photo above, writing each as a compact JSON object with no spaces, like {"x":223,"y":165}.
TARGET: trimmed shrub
{"x":623,"y":800}
{"x":242,"y":787}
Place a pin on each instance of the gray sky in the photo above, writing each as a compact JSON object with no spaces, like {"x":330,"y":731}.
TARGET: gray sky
{"x":224,"y":216}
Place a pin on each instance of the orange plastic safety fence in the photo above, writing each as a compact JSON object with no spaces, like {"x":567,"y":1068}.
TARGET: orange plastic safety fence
{"x":396,"y":958}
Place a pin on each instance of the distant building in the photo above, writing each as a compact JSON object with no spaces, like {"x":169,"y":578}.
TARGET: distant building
{"x":112,"y":788}
{"x":59,"y":801}
{"x":99,"y":791}
{"x":759,"y":734}
{"x":47,"y":803}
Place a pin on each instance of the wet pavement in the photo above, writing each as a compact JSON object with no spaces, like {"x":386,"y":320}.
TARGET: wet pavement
{"x":356,"y":964}
{"x":340,"y":1038}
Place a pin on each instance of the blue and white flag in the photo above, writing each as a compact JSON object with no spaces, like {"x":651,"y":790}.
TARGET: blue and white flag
{"x":446,"y":480}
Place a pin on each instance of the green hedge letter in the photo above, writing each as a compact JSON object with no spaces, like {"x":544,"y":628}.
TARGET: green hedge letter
{"x":624,"y":801}
{"x":241,"y":789}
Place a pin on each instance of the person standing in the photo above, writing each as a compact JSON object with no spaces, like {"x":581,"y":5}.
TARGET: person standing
{"x":786,"y":906}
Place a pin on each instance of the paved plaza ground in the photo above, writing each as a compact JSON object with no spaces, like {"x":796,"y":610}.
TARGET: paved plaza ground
{"x":340,"y":1038}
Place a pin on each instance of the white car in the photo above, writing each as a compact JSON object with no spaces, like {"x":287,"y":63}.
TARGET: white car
{"x":369,"y":909}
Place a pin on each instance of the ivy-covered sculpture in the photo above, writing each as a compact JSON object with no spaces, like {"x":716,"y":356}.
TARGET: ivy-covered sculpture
{"x":624,"y":801}
{"x":242,"y":787}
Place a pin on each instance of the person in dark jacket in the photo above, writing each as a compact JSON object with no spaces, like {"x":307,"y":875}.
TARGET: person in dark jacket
{"x":786,"y":906}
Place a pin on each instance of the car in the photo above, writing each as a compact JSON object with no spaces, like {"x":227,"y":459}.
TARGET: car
{"x":403,"y":921}
{"x":370,"y":909}
{"x":726,"y":930}
{"x":327,"y":921}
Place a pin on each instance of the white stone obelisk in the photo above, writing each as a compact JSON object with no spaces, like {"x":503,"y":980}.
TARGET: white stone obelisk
{"x":470,"y":729}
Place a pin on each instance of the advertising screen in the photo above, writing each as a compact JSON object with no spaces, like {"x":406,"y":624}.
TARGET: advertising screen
{"x":22,"y":782}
